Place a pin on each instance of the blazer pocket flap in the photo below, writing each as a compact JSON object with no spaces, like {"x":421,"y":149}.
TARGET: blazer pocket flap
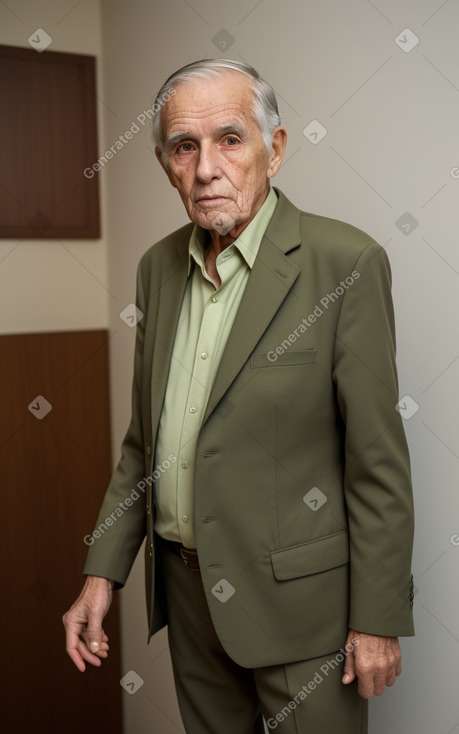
{"x":313,"y":557}
{"x":272,"y":359}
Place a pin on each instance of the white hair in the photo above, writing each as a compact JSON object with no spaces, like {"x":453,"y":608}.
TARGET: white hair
{"x":264,"y":102}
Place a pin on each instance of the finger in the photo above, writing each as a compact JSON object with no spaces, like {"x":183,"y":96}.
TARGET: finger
{"x":94,"y":634}
{"x":91,"y":653}
{"x":94,"y":646}
{"x":349,"y":669}
{"x":72,"y":641}
{"x":379,"y":684}
{"x":366,"y":687}
{"x":87,"y":655}
{"x":79,"y":653}
{"x":101,"y":651}
{"x":76,"y":658}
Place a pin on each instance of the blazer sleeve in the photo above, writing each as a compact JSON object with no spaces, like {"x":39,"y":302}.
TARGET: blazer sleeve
{"x":377,"y":482}
{"x":121,"y":524}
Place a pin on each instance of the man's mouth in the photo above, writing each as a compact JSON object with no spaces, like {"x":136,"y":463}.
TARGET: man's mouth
{"x":212,"y":199}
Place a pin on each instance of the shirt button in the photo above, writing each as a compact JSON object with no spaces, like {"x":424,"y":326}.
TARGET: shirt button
{"x":204,"y":355}
{"x":184,"y":465}
{"x":193,"y":409}
{"x":185,"y":518}
{"x":214,"y":300}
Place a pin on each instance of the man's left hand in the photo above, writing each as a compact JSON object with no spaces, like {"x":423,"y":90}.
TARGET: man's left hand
{"x":375,"y":661}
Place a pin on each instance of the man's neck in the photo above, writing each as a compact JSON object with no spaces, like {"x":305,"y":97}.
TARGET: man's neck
{"x":218,"y":242}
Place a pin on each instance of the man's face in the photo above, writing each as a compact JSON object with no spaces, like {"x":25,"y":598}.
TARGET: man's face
{"x":217,"y":159}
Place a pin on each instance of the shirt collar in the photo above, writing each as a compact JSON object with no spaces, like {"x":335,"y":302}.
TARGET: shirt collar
{"x":249,"y":241}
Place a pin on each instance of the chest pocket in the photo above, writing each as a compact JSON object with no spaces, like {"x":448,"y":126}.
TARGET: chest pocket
{"x":286,"y":359}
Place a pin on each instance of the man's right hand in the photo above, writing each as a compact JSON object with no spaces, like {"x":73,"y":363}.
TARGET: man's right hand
{"x":85,"y":637}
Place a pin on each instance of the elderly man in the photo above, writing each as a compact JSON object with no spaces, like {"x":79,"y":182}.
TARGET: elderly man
{"x":265,"y":459}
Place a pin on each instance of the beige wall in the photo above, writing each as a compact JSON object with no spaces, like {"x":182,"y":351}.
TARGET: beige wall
{"x":392,"y":119}
{"x":52,"y":285}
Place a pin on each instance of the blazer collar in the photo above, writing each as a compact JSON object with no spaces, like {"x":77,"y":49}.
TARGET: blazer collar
{"x":272,"y":276}
{"x":284,"y":228}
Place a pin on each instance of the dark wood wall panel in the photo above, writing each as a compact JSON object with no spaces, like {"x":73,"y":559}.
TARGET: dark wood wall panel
{"x":54,"y":470}
{"x":49,"y":137}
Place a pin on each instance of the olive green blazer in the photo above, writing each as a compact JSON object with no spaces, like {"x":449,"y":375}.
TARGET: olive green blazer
{"x":303,"y":499}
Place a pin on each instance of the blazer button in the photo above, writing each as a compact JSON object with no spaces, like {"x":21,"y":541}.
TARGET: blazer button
{"x":148,"y":450}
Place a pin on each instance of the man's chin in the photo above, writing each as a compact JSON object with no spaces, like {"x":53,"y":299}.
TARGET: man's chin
{"x":221,"y":221}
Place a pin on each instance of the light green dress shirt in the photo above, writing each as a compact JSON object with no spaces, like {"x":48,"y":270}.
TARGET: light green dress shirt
{"x":205,"y":321}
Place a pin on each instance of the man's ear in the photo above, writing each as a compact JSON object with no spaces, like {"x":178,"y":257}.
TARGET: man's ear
{"x":163,"y":166}
{"x":276,"y":155}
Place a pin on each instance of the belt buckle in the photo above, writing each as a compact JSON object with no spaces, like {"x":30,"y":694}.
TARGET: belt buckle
{"x":190,"y":559}
{"x":184,"y":557}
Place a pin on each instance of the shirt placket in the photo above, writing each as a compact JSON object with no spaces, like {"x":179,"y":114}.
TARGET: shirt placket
{"x":201,"y":383}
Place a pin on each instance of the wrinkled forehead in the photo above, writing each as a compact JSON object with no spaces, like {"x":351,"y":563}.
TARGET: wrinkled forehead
{"x":209,"y":101}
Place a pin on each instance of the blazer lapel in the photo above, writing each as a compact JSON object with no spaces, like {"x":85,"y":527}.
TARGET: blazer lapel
{"x":272,"y":276}
{"x":171,"y":290}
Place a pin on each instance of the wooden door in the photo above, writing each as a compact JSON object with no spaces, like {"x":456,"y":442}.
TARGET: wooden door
{"x":54,"y":468}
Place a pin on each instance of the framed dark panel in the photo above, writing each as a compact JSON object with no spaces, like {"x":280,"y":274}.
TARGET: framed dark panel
{"x":55,"y":464}
{"x":48,"y":130}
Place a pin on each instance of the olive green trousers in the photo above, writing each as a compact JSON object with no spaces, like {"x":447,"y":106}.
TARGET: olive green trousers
{"x":218,"y":696}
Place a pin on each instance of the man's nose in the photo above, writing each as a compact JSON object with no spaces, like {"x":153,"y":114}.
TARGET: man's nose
{"x":208,"y":164}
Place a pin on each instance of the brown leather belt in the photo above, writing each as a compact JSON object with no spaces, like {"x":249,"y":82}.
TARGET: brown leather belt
{"x":188,"y":556}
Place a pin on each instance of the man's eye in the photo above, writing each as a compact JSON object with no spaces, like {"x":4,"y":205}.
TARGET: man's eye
{"x":232,"y":140}
{"x":186,"y":147}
